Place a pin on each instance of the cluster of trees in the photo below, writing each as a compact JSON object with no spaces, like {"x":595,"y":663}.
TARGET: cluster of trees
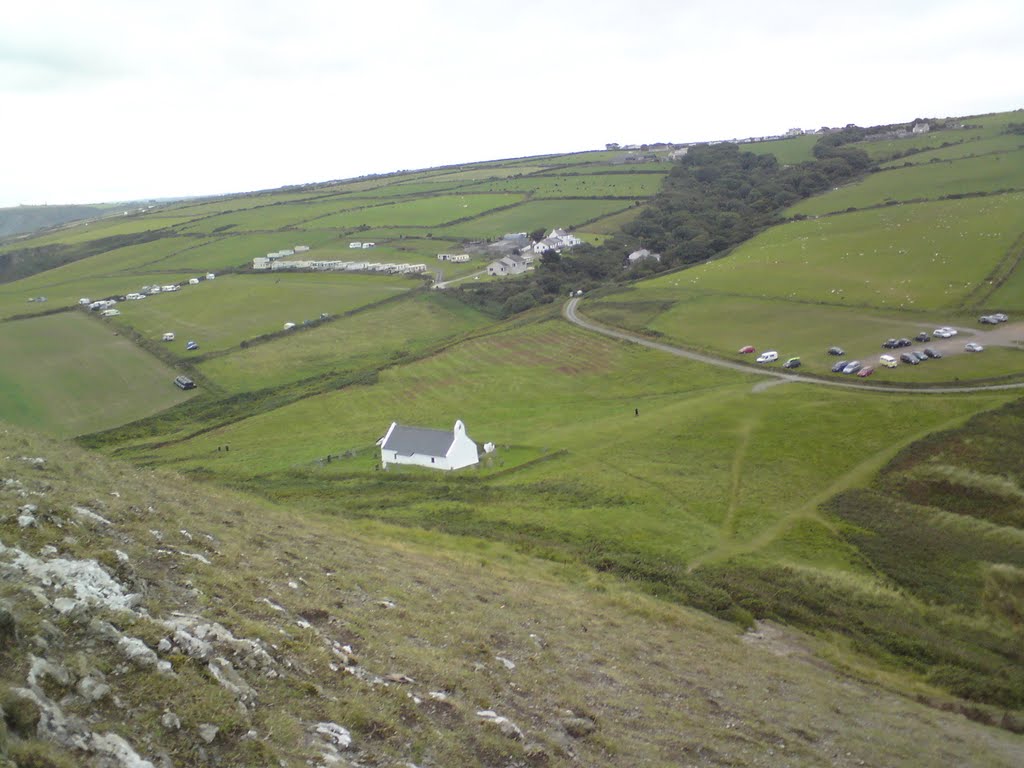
{"x":714,"y":198}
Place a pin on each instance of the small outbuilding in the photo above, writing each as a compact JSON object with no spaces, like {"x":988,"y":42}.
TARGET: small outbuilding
{"x":433,"y":448}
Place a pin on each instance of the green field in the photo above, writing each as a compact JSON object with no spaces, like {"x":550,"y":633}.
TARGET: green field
{"x":538,"y":214}
{"x":926,"y":256}
{"x":68,"y":374}
{"x":982,"y":174}
{"x":625,"y":185}
{"x":365,"y":341}
{"x":222,"y":313}
{"x":786,"y":151}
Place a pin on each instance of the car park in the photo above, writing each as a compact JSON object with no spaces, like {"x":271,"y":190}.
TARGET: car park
{"x":888,"y":361}
{"x":922,"y":336}
{"x":866,"y":371}
{"x":852,"y":367}
{"x":793,"y":362}
{"x":768,"y":357}
{"x":836,"y":351}
{"x":747,"y":350}
{"x":932,"y":353}
{"x":972,"y":346}
{"x":838,"y":367}
{"x":908,"y":358}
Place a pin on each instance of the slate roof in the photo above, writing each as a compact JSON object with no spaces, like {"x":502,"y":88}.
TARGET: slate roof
{"x":427,"y":442}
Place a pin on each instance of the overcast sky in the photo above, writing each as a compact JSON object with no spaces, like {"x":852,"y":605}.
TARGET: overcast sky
{"x":127,"y":99}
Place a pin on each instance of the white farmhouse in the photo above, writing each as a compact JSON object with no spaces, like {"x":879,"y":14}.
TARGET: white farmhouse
{"x":642,"y":254}
{"x":433,"y":448}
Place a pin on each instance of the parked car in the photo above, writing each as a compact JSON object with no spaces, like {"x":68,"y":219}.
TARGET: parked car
{"x":932,"y":353}
{"x":837,"y":351}
{"x":793,"y":362}
{"x":890,"y":344}
{"x":921,"y":356}
{"x":768,"y":357}
{"x":971,"y":346}
{"x":1000,"y":317}
{"x":908,"y":358}
{"x":852,"y":367}
{"x":184,"y":382}
{"x":866,"y":371}
{"x":838,"y":367}
{"x":945,"y":332}
{"x":888,"y":361}
{"x":191,"y":345}
{"x":747,"y":350}
{"x":904,"y":343}
{"x":922,"y":336}
{"x":169,"y":336}
{"x":988,"y":320}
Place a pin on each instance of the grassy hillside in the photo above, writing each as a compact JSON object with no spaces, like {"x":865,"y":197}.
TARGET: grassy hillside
{"x":260,"y":636}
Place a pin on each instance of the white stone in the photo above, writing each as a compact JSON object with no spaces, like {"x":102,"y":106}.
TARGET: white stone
{"x":336,"y":734}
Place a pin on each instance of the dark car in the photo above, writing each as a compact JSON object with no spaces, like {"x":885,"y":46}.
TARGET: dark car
{"x":890,"y":344}
{"x":904,"y":343}
{"x":837,"y":351}
{"x":933,"y":353}
{"x":908,"y":358}
{"x":838,"y":367}
{"x":919,"y":355}
{"x":922,"y":336}
{"x":184,"y":382}
{"x":793,"y":362}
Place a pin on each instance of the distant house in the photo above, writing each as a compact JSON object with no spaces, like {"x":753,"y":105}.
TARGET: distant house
{"x":355,"y":244}
{"x":433,"y":448}
{"x":514,"y":264}
{"x":642,"y":254}
{"x":920,"y":128}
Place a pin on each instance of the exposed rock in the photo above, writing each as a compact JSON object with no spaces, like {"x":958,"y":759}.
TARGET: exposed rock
{"x":137,"y":652}
{"x":503,"y":724}
{"x":90,"y":515}
{"x":27,"y":521}
{"x":40,"y":668}
{"x":208,"y":732}
{"x":91,"y":689}
{"x":335,"y":734}
{"x":8,"y":628}
{"x":119,"y":750}
{"x":224,"y":673}
{"x":170,"y":721}
{"x":509,"y":665}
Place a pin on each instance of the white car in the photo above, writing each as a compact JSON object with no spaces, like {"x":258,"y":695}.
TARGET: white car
{"x":971,"y":346}
{"x":768,"y":357}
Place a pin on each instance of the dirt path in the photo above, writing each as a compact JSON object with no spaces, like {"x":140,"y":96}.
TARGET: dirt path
{"x":1004,"y":335}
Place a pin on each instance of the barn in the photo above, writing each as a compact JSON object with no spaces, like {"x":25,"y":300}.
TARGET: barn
{"x":433,"y":448}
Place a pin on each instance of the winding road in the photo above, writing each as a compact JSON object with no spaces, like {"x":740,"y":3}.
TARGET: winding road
{"x":569,"y":311}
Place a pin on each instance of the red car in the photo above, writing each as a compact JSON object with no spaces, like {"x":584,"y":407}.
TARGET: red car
{"x":867,"y":370}
{"x":747,"y":350}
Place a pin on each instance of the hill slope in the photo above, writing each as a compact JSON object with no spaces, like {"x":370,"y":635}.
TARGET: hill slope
{"x":147,"y":619}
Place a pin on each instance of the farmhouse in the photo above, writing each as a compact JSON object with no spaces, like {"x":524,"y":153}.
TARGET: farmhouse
{"x":556,"y":241}
{"x":508,"y":265}
{"x":642,"y":254}
{"x":433,"y":448}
